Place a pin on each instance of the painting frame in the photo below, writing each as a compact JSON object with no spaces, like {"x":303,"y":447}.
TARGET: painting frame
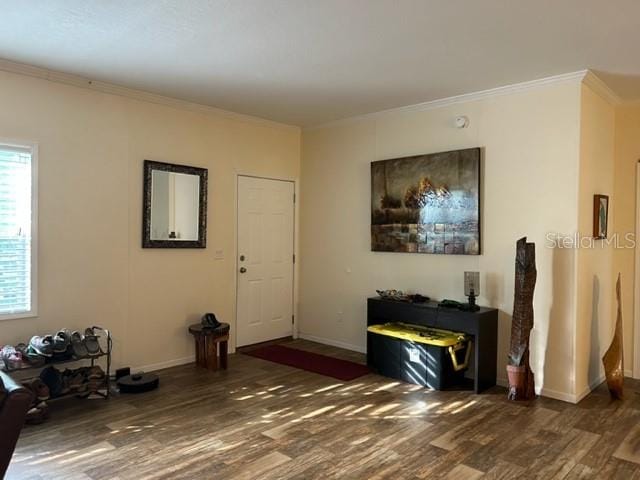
{"x":428,"y":203}
{"x":600,"y":216}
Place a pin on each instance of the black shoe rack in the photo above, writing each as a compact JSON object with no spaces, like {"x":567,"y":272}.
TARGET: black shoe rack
{"x":94,"y":359}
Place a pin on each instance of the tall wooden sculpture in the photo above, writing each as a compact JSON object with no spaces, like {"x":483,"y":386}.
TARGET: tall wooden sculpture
{"x":613,"y":359}
{"x":521,"y":384}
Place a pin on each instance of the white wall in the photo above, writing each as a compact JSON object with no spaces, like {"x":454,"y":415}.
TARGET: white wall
{"x":627,"y":156}
{"x":92,"y":269}
{"x":595,"y":285}
{"x":531,"y":149}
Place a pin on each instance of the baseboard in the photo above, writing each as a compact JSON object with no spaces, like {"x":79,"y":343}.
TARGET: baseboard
{"x":557,"y":395}
{"x":333,"y":343}
{"x":169,"y":363}
{"x":590,"y":388}
{"x":547,"y":392}
{"x":596,"y":382}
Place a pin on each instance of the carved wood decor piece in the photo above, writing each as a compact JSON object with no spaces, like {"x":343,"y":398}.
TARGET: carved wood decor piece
{"x":613,"y":359}
{"x":521,"y":381}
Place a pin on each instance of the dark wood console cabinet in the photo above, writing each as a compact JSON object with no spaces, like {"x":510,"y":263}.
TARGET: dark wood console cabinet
{"x":481,"y":325}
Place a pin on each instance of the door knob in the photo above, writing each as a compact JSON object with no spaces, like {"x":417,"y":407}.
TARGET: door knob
{"x":243,"y":270}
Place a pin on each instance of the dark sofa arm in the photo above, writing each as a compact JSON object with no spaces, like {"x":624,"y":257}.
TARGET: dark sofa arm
{"x":15,"y":401}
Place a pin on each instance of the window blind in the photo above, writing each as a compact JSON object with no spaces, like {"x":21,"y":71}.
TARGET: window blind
{"x":15,"y":230}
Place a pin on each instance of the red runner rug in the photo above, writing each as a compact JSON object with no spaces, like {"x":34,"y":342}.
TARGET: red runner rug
{"x":312,"y":362}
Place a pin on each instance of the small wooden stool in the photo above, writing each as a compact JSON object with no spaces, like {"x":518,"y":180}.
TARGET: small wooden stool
{"x":207,"y":340}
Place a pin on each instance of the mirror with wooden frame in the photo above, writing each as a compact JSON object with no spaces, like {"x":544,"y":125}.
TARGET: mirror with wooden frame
{"x":174,"y":211}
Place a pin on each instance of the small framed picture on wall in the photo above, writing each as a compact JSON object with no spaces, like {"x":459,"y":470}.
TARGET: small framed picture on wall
{"x":600,"y":216}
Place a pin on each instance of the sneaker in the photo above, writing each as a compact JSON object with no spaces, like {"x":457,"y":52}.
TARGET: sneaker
{"x":78,"y":347}
{"x":11,"y":357}
{"x":91,"y":343}
{"x":30,"y":356}
{"x":22,"y":349}
{"x":96,"y":384}
{"x":39,"y":389}
{"x":65,"y":379}
{"x":76,"y":380}
{"x":95,"y":372}
{"x":42,"y":345}
{"x":53,"y":379}
{"x":83,"y":390}
{"x":61,"y":341}
{"x":37,"y":414}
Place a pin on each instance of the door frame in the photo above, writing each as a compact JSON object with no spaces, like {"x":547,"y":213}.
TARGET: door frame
{"x":636,"y":282}
{"x":296,"y":233}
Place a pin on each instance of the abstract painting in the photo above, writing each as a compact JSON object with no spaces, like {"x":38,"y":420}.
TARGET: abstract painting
{"x":427,"y":203}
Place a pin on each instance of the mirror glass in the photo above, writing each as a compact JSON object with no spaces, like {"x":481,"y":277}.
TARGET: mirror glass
{"x":174,"y":206}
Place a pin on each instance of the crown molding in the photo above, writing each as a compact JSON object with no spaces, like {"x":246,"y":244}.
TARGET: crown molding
{"x":586,"y":76}
{"x":599,"y":87}
{"x":104,"y":87}
{"x":578,"y":76}
{"x":631,"y":103}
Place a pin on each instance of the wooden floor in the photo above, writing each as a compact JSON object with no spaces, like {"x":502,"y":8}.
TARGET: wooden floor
{"x":267,"y":421}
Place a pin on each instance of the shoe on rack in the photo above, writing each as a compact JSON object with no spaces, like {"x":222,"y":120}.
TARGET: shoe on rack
{"x":39,"y":389}
{"x":66,"y":384}
{"x":96,"y":384}
{"x":52,"y":378}
{"x":30,"y":356}
{"x":22,"y":349}
{"x":95,"y":372}
{"x":11,"y":357}
{"x":62,"y":341}
{"x":75,"y":380}
{"x":83,"y":390}
{"x":42,"y":345}
{"x":78,"y":347}
{"x":91,"y":343}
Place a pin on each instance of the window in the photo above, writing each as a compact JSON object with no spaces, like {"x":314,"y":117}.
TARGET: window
{"x":17,"y":231}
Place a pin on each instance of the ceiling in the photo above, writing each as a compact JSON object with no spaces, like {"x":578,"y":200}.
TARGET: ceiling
{"x":306,"y":62}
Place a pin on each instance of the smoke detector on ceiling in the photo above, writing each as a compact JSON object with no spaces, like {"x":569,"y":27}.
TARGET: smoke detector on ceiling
{"x":462,"y":121}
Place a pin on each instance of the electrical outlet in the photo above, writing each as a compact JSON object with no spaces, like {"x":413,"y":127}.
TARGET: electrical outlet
{"x":340,"y":316}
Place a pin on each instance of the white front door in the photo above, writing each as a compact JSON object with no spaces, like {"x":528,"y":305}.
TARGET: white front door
{"x":265,"y":260}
